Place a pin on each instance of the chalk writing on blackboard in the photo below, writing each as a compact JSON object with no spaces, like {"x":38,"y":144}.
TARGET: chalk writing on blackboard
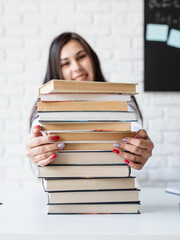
{"x":167,"y":19}
{"x":163,"y":4}
{"x":165,"y":12}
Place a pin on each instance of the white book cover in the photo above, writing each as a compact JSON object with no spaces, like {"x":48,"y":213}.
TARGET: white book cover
{"x":87,"y":116}
{"x":84,"y":97}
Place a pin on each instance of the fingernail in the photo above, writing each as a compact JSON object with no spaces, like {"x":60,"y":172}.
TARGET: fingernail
{"x":117,"y":145}
{"x":126,"y":161}
{"x":53,"y":156}
{"x":55,"y":138}
{"x":137,"y":137}
{"x":61,"y":145}
{"x":124,"y":140}
{"x":115,"y":151}
{"x":37,"y":126}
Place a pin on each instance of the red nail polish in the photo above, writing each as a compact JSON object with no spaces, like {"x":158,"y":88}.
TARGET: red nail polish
{"x":126,"y":161}
{"x":55,"y":138}
{"x":53,"y":156}
{"x":37,"y":126}
{"x":115,"y":151}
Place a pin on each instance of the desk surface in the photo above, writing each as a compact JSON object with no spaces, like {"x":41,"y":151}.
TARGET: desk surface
{"x":23,"y":215}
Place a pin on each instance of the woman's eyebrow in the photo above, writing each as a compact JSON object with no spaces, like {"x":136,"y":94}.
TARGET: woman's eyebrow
{"x":80,"y":52}
{"x":61,"y":59}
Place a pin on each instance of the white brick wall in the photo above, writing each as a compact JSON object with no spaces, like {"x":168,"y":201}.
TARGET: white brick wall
{"x":115,"y":29}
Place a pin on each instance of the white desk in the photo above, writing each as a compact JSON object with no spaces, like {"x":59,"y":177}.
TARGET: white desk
{"x":23,"y":217}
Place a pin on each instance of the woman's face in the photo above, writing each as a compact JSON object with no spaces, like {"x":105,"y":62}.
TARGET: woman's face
{"x":75,"y":62}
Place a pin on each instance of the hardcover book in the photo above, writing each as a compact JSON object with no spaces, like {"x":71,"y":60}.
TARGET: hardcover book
{"x":91,"y":196}
{"x":78,"y":171}
{"x":88,"y":145}
{"x":56,"y":97}
{"x":86,"y":126}
{"x":87,"y":116}
{"x":86,"y":157}
{"x":116,"y":208}
{"x":55,"y":184}
{"x":92,"y":136}
{"x":83,"y":106}
{"x":68,"y":86}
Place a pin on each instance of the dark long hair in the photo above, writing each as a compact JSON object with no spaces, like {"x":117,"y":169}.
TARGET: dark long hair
{"x":54,"y":68}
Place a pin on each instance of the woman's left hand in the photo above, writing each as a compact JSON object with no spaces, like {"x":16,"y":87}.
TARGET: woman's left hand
{"x":139,"y":149}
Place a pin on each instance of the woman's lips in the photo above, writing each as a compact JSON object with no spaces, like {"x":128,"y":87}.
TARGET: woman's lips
{"x":81,"y":77}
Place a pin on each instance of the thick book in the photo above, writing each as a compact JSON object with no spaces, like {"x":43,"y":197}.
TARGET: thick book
{"x":51,"y":185}
{"x":78,"y":171}
{"x":87,"y":157}
{"x":115,"y":208}
{"x":68,"y":86}
{"x":56,"y":97}
{"x":87,"y":116}
{"x":92,"y":136}
{"x":87,"y":126}
{"x":97,"y":196}
{"x":83,"y":106}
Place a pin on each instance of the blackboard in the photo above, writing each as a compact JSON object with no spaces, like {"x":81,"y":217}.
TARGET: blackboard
{"x":162,"y":45}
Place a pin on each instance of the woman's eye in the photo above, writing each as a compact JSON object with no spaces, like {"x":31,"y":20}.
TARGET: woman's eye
{"x":82,"y":56}
{"x":64,"y":64}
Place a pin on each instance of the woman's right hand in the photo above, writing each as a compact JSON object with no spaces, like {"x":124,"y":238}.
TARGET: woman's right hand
{"x":40,"y":149}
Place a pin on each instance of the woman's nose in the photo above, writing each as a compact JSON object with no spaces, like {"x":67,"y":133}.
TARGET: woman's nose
{"x":76,"y":66}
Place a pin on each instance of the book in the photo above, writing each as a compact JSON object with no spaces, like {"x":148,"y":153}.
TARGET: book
{"x":87,"y":157}
{"x":80,"y":171}
{"x":92,"y":136}
{"x":174,"y":190}
{"x":91,"y":126}
{"x":97,"y":196}
{"x":51,"y":184}
{"x":88,"y":145}
{"x":68,"y":86}
{"x":83,"y":106}
{"x":116,"y":208}
{"x":87,"y":116}
{"x":56,"y":97}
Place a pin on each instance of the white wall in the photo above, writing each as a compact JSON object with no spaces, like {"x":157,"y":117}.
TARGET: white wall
{"x":115,"y":30}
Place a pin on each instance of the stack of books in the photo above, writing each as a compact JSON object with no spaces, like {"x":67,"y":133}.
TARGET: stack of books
{"x":86,"y":176}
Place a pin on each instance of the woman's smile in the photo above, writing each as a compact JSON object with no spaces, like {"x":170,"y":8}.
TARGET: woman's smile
{"x":81,"y":77}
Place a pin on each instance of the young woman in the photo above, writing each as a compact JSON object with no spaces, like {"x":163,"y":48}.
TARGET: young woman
{"x":71,"y":58}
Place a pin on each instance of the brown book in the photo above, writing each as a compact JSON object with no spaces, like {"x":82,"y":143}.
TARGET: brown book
{"x":83,"y":106}
{"x":51,"y":185}
{"x":92,"y":136}
{"x":87,"y":157}
{"x":115,"y":208}
{"x":91,"y":146}
{"x":102,"y":196}
{"x":88,"y":126}
{"x":78,"y":171}
{"x":68,"y":86}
